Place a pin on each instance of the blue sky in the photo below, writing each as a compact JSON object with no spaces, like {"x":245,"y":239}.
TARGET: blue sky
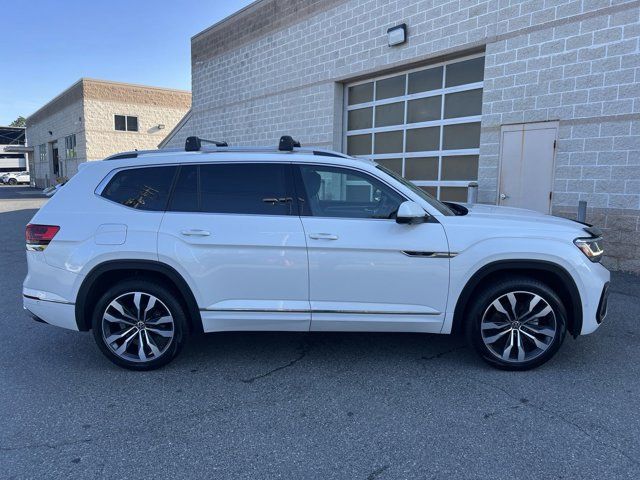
{"x":50,"y":44}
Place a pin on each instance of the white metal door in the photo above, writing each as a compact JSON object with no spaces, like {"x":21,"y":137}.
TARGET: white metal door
{"x":526,"y":165}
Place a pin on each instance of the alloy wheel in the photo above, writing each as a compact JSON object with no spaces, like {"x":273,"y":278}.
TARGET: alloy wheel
{"x":137,"y":327}
{"x":518,"y":326}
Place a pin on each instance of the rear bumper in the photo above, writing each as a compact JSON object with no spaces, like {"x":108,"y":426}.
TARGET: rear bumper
{"x":54,"y":313}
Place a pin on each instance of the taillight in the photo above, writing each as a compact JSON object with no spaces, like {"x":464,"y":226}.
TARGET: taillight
{"x":39,"y":236}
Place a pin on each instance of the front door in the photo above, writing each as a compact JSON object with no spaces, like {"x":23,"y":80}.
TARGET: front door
{"x":367,"y":272}
{"x":526,"y":165}
{"x":234,"y":232}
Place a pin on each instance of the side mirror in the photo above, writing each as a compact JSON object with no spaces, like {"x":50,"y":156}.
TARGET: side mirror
{"x":411,"y":213}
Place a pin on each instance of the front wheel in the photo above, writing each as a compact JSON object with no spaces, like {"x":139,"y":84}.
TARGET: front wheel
{"x":517,"y":323}
{"x":139,"y":324}
{"x":12,"y":181}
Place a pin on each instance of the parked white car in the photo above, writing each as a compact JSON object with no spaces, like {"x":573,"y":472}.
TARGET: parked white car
{"x":145,"y":248}
{"x":14,"y":178}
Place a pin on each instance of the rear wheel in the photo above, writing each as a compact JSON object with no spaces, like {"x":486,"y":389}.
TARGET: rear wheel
{"x":139,"y":324}
{"x":517,"y":323}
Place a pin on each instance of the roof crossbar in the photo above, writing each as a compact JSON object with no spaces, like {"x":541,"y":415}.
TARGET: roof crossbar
{"x":194,"y":144}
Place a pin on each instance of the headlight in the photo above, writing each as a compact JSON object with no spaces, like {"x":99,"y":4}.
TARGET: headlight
{"x":591,"y":247}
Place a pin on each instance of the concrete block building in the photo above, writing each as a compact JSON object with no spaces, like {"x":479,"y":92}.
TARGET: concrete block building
{"x":93,"y":119}
{"x":537,"y":100}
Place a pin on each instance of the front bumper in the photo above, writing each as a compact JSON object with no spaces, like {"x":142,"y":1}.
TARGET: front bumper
{"x":603,"y":305}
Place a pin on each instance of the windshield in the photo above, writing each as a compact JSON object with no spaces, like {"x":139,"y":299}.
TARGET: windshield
{"x":435,"y":203}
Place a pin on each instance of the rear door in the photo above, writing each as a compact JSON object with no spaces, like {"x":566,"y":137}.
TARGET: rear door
{"x":233,"y":230}
{"x":367,"y":272}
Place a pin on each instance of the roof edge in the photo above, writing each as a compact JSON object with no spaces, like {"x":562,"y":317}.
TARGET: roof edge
{"x":175,"y":129}
{"x":237,"y":14}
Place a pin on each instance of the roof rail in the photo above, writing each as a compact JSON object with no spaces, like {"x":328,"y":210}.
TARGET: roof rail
{"x":286,"y":144}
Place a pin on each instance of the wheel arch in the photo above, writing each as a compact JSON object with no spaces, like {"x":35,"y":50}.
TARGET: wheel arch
{"x":113,"y":270}
{"x":556,"y":276}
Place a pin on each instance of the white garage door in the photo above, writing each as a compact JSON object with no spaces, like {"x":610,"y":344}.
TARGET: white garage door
{"x":424,"y":124}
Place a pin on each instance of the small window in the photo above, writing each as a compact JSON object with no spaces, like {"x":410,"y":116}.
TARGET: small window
{"x":126,"y":123}
{"x":121,"y":123}
{"x":345,"y":193}
{"x":246,"y":188}
{"x":42,"y":151}
{"x":70,"y":146}
{"x":141,"y":188}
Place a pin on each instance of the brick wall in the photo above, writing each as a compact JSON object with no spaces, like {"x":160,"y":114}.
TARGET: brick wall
{"x":575,"y":61}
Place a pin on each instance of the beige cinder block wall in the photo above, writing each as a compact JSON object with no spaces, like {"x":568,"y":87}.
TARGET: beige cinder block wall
{"x":87,"y":110}
{"x":152,"y":106}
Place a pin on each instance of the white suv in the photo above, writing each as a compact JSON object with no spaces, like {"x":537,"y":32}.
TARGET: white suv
{"x":14,"y":178}
{"x":145,"y":248}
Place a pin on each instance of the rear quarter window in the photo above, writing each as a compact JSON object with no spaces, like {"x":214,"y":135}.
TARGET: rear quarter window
{"x":145,"y":188}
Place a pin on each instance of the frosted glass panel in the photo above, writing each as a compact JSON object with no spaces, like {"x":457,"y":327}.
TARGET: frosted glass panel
{"x":361,"y":93}
{"x":433,"y":191}
{"x":463,"y":104}
{"x":469,"y":71}
{"x":460,"y":167}
{"x":425,"y":80}
{"x":423,"y":168}
{"x":390,"y":87}
{"x":463,"y":135}
{"x":453,"y":194}
{"x":388,"y":142}
{"x":424,"y":109}
{"x":360,"y":119}
{"x":423,"y":139}
{"x":390,"y":114}
{"x":359,"y":144}
{"x":394,"y":164}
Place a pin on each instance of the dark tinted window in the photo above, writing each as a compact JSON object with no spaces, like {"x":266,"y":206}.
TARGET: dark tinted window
{"x":142,"y":188}
{"x":121,"y":122}
{"x":345,"y":193}
{"x":245,"y":188}
{"x":185,"y":192}
{"x":132,"y":124}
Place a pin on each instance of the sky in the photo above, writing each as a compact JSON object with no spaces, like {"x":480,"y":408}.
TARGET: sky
{"x":49,"y":44}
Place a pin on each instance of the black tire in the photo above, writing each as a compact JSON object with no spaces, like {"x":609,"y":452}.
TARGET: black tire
{"x":165,"y":300}
{"x":12,"y":181}
{"x":483,"y":314}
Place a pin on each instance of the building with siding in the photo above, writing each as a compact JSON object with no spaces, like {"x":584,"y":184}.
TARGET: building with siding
{"x":536,"y":100}
{"x":93,"y":119}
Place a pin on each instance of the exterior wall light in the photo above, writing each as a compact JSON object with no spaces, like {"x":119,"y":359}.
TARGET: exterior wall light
{"x":397,"y":35}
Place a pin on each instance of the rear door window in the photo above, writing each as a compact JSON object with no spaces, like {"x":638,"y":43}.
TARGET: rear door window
{"x":237,"y":188}
{"x":145,"y":188}
{"x":246,"y":188}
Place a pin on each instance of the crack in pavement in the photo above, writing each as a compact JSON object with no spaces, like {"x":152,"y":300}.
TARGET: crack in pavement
{"x":377,"y":472}
{"x":304,"y":349}
{"x":446,"y":352}
{"x":561,"y":419}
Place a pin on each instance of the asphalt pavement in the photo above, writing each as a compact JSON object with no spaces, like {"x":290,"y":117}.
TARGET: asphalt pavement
{"x":307,"y":406}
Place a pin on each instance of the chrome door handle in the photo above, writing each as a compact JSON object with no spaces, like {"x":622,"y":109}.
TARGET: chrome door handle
{"x":503,"y":196}
{"x":195,"y":233}
{"x":323,"y":236}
